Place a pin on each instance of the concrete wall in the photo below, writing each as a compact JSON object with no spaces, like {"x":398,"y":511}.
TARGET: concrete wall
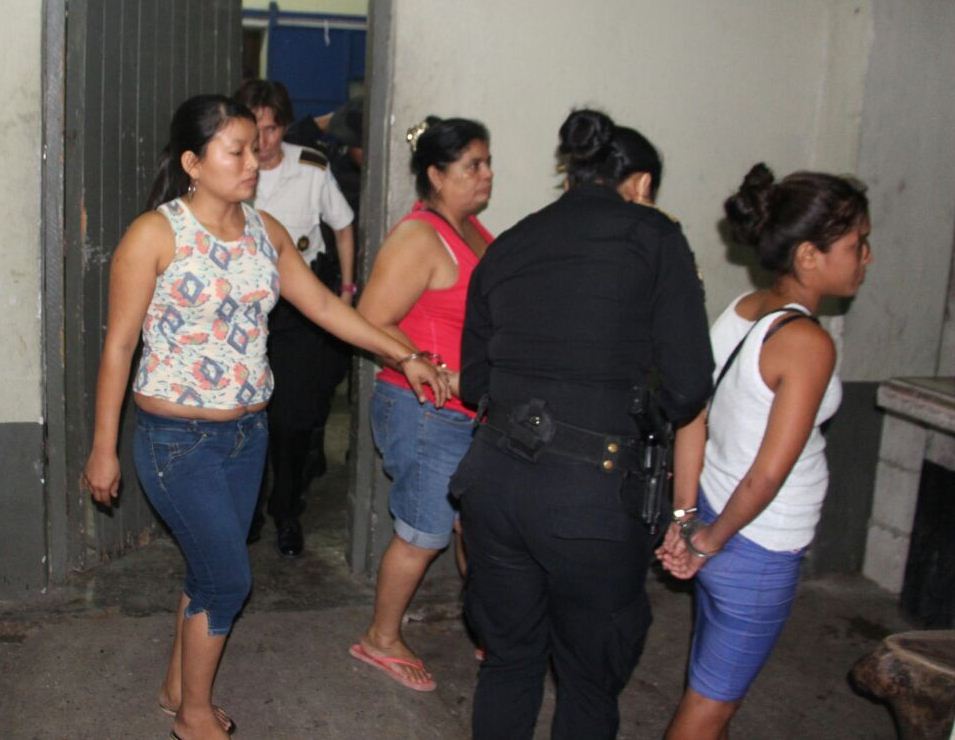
{"x":22,"y":545}
{"x":908,"y":159}
{"x":20,"y":87}
{"x":716,"y":86}
{"x":840,"y":85}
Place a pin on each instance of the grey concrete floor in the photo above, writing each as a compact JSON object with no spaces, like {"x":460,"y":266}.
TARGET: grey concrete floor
{"x":85,"y":660}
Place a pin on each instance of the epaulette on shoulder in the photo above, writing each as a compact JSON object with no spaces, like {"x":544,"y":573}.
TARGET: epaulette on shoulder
{"x":314,"y":158}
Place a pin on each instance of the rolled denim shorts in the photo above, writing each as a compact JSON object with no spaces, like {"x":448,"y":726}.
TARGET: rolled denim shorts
{"x":421,"y":447}
{"x":202,"y":478}
{"x":744,"y":595}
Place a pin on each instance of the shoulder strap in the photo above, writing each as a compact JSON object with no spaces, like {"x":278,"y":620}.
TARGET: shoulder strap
{"x":797,"y":313}
{"x":452,"y":239}
{"x":313,"y":157}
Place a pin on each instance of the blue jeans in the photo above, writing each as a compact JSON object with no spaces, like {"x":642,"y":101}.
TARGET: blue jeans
{"x":203,"y":477}
{"x":744,"y":595}
{"x":420,"y":447}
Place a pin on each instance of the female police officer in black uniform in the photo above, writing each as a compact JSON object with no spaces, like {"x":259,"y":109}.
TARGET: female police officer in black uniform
{"x":569,"y":311}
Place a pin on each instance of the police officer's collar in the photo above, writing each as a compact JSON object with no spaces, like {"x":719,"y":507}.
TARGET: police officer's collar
{"x":609,"y":192}
{"x":595,"y":189}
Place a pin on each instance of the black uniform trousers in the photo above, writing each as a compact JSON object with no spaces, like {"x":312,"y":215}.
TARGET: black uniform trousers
{"x":557,"y":562}
{"x":307,"y":365}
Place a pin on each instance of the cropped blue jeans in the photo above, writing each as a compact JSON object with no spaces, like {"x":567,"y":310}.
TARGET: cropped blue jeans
{"x":203,"y":477}
{"x":420,"y":447}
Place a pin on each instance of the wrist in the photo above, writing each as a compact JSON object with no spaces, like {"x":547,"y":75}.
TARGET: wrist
{"x":681,"y":514}
{"x":422,"y":355}
{"x":103,"y":447}
{"x":692,"y":528}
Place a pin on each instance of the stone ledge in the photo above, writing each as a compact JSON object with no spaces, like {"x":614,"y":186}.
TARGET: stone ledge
{"x":929,"y":401}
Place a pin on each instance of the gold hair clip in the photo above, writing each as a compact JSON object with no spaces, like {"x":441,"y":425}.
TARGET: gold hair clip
{"x":414,"y":133}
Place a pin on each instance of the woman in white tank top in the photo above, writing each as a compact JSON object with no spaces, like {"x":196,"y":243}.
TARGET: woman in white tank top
{"x":750,"y":472}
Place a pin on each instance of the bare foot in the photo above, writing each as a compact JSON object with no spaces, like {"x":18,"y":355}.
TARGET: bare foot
{"x":414,"y":672}
{"x":203,"y":725}
{"x":170,"y":706}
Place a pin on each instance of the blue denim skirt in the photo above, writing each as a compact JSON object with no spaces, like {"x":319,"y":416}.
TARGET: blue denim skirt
{"x":744,"y":595}
{"x":420,"y":447}
{"x":202,"y":478}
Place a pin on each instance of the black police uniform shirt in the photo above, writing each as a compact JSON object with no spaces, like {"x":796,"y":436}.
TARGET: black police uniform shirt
{"x":581,"y":301}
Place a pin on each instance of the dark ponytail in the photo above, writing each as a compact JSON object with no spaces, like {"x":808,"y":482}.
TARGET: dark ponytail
{"x":776,"y":217}
{"x":593,"y":149}
{"x":193,"y":124}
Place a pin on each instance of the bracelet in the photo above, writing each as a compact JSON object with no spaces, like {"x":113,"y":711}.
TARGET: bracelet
{"x":408,"y":358}
{"x":681,"y":514}
{"x":687,"y":530}
{"x":349,"y":288}
{"x":429,"y":356}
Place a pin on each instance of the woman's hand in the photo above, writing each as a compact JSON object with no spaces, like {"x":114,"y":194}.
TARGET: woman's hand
{"x":677,"y":558}
{"x":684,"y":567}
{"x":674,"y":555}
{"x":420,"y":372}
{"x":101,"y":477}
{"x":673,"y":544}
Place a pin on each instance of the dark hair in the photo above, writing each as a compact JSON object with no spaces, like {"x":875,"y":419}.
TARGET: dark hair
{"x":593,"y":149}
{"x":193,"y":124}
{"x":267,"y":94}
{"x":776,"y":217}
{"x":440,"y":144}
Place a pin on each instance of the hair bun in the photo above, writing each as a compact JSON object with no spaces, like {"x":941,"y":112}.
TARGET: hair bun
{"x":586,"y":135}
{"x":416,"y":131}
{"x":747,"y":210}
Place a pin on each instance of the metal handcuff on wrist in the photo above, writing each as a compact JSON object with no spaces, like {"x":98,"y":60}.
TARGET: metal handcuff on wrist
{"x":689,"y":526}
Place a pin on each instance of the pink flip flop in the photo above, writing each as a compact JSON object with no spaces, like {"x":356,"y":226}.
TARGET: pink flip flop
{"x":387,"y":665}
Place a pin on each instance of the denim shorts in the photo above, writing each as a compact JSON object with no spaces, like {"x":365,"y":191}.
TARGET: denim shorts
{"x":420,"y":447}
{"x":744,"y":595}
{"x":202,"y":478}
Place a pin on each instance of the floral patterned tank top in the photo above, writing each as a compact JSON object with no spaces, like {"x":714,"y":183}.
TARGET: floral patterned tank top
{"x":206,"y":327}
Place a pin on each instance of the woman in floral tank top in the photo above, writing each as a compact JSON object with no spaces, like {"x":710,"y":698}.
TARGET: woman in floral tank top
{"x":196,"y":276}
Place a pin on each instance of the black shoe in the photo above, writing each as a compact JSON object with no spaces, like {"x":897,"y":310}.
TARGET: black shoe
{"x":290,"y":539}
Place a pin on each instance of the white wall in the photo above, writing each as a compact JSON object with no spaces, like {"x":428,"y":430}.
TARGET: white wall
{"x":20,"y":245}
{"x":717,"y":86}
{"x":848,"y":86}
{"x":908,"y":159}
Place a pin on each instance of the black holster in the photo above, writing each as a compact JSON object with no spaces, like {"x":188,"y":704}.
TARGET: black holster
{"x":656,"y":464}
{"x":526,"y":429}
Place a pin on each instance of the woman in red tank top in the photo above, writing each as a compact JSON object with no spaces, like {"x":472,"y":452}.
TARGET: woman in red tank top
{"x":417,"y":293}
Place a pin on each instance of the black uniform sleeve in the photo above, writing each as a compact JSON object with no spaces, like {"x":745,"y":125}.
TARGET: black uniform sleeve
{"x":681,"y":342}
{"x":475,"y":368}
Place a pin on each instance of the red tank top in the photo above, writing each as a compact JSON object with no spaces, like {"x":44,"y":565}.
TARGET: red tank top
{"x":436,"y":320}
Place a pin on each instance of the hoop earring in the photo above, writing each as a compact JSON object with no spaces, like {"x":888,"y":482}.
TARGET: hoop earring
{"x":191,"y":191}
